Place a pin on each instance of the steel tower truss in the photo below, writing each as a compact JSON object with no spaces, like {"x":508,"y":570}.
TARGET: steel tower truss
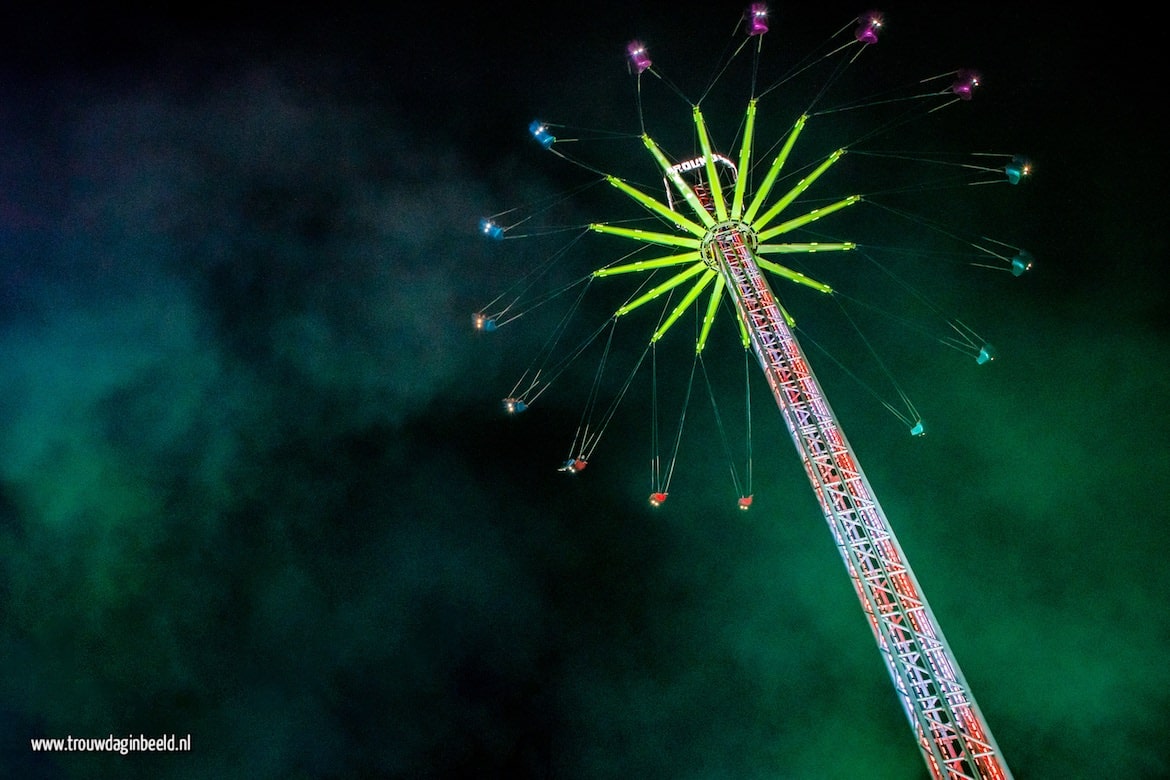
{"x":949,"y":727}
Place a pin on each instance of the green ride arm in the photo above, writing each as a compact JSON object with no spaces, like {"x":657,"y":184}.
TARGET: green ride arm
{"x":683,"y":188}
{"x":709,"y":316}
{"x":646,"y":236}
{"x":654,"y":292}
{"x":647,"y":265}
{"x":743,"y":332}
{"x":809,"y":248}
{"x":687,"y":300}
{"x":800,"y":187}
{"x":793,"y":276}
{"x":712,"y":174}
{"x":811,"y":216}
{"x":745,"y":154}
{"x":787,"y":317}
{"x":656,"y":206}
{"x":774,"y":171}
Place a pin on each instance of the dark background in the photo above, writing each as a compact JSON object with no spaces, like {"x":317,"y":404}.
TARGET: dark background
{"x":256,"y":485}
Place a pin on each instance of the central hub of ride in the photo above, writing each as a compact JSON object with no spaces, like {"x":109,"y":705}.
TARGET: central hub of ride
{"x":731,"y":232}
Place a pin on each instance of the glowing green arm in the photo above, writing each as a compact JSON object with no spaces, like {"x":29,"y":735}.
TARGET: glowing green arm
{"x":687,"y":300}
{"x":647,"y":236}
{"x":709,"y":316}
{"x":793,"y":276}
{"x":647,"y":265}
{"x":809,"y":248}
{"x":745,"y":154}
{"x":712,"y":174}
{"x":683,"y":188}
{"x":800,"y":187}
{"x":811,"y":216}
{"x":774,"y":171}
{"x":654,"y":292}
{"x":656,"y":206}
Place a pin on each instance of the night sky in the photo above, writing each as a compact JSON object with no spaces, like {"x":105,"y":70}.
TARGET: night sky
{"x":256,"y":484}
